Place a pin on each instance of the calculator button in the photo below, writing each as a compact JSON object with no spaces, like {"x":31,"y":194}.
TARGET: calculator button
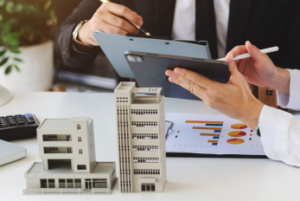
{"x":19,"y":119}
{"x":2,"y":120}
{"x":29,"y":118}
{"x":10,"y":119}
{"x":27,"y":115}
{"x":2,"y":125}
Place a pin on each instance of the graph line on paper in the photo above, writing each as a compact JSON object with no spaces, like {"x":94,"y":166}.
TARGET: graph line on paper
{"x":237,"y":134}
{"x":214,"y":134}
{"x":239,"y":126}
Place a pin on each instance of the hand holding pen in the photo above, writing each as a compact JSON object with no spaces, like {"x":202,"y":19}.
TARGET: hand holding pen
{"x":108,"y":19}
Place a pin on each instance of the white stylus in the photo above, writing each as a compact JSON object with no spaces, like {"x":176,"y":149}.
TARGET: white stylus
{"x":247,"y":55}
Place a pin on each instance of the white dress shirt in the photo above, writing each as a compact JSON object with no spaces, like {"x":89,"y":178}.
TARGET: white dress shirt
{"x":280,"y":131}
{"x":184,"y":24}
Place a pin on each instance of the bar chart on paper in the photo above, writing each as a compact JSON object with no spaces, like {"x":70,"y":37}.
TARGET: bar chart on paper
{"x":211,"y":134}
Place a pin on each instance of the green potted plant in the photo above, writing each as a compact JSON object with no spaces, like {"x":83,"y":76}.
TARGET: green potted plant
{"x":26,"y":44}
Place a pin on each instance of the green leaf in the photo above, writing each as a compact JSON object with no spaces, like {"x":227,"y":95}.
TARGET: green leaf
{"x":9,"y":7}
{"x":3,"y":61}
{"x":2,"y":53}
{"x":2,"y":2}
{"x":13,"y":39}
{"x":47,"y":5}
{"x":15,"y":50}
{"x":17,"y":59}
{"x":32,"y":8}
{"x":8,"y":69}
{"x":19,"y":7}
{"x":6,"y":27}
{"x":17,"y":68}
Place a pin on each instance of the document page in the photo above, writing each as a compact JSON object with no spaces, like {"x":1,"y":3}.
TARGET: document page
{"x":211,"y":134}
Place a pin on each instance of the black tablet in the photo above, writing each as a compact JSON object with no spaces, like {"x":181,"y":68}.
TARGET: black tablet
{"x":149,"y":71}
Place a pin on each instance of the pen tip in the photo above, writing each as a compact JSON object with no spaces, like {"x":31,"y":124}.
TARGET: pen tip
{"x":148,"y":34}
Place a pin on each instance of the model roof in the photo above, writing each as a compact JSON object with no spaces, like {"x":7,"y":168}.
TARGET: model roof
{"x":62,"y":123}
{"x":56,"y":124}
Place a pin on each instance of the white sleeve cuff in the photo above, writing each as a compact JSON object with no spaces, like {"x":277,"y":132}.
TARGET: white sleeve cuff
{"x":291,"y":101}
{"x":274,"y":127}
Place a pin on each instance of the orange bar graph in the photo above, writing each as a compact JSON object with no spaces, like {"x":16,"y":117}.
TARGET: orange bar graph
{"x":210,"y":134}
{"x":212,"y":141}
{"x":204,"y":122}
{"x":207,"y":128}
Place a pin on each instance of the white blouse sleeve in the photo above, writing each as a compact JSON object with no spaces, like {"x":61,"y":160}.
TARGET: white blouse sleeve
{"x":280,"y":131}
{"x":280,"y":135}
{"x":291,"y":101}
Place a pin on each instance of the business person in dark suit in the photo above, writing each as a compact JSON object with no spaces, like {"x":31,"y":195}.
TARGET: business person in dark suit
{"x":223,"y":23}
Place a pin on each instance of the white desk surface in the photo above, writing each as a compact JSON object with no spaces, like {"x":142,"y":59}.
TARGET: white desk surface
{"x":188,"y":178}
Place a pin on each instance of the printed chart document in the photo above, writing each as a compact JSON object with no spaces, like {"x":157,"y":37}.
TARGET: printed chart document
{"x":211,"y":134}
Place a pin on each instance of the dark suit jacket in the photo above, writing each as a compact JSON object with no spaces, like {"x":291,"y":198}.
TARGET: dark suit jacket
{"x":265,"y":23}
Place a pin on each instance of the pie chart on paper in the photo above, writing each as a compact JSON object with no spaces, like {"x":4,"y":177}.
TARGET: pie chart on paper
{"x":235,"y":141}
{"x":239,"y":126}
{"x":237,"y":134}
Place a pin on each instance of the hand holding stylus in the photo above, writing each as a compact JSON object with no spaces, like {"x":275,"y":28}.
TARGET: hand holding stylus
{"x":108,"y":19}
{"x":259,"y":69}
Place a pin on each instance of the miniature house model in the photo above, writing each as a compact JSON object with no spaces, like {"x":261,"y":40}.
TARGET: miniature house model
{"x":67,"y":150}
{"x":141,"y":138}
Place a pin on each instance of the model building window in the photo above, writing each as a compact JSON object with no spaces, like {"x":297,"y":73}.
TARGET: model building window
{"x":80,"y":151}
{"x":51,"y":183}
{"x":62,"y":183}
{"x":269,"y":92}
{"x":147,"y":171}
{"x":145,"y":159}
{"x":99,"y":183}
{"x":78,"y":127}
{"x":144,"y":136}
{"x":143,"y":112}
{"x":79,"y":139}
{"x":144,"y":124}
{"x":145,"y":147}
{"x":81,"y":167}
{"x":77,"y":183}
{"x":70,"y":183}
{"x":44,"y":183}
{"x":148,"y":187}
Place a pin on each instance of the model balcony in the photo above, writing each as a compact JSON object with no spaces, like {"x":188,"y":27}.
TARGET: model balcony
{"x":55,"y":138}
{"x":58,"y":150}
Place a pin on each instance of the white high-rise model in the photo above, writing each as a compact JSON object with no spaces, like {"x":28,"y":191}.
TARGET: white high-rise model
{"x":69,"y":165}
{"x":141,"y":138}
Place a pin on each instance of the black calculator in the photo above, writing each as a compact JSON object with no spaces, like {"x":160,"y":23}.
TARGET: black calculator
{"x":16,"y":127}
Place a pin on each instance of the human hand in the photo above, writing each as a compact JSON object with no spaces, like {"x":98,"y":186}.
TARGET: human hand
{"x":108,"y":19}
{"x":233,"y":99}
{"x":259,"y":68}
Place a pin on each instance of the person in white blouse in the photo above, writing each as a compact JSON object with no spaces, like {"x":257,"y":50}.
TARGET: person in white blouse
{"x":280,"y":131}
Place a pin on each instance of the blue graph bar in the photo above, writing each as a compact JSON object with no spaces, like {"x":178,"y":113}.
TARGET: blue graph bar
{"x":214,"y":124}
{"x":217,"y":131}
{"x":215,"y":144}
{"x":216,"y":138}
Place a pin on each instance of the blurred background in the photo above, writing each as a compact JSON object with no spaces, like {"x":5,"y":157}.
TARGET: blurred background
{"x":27,"y":58}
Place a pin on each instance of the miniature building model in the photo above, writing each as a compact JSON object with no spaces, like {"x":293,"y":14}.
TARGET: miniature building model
{"x":141,"y":138}
{"x":67,"y":150}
